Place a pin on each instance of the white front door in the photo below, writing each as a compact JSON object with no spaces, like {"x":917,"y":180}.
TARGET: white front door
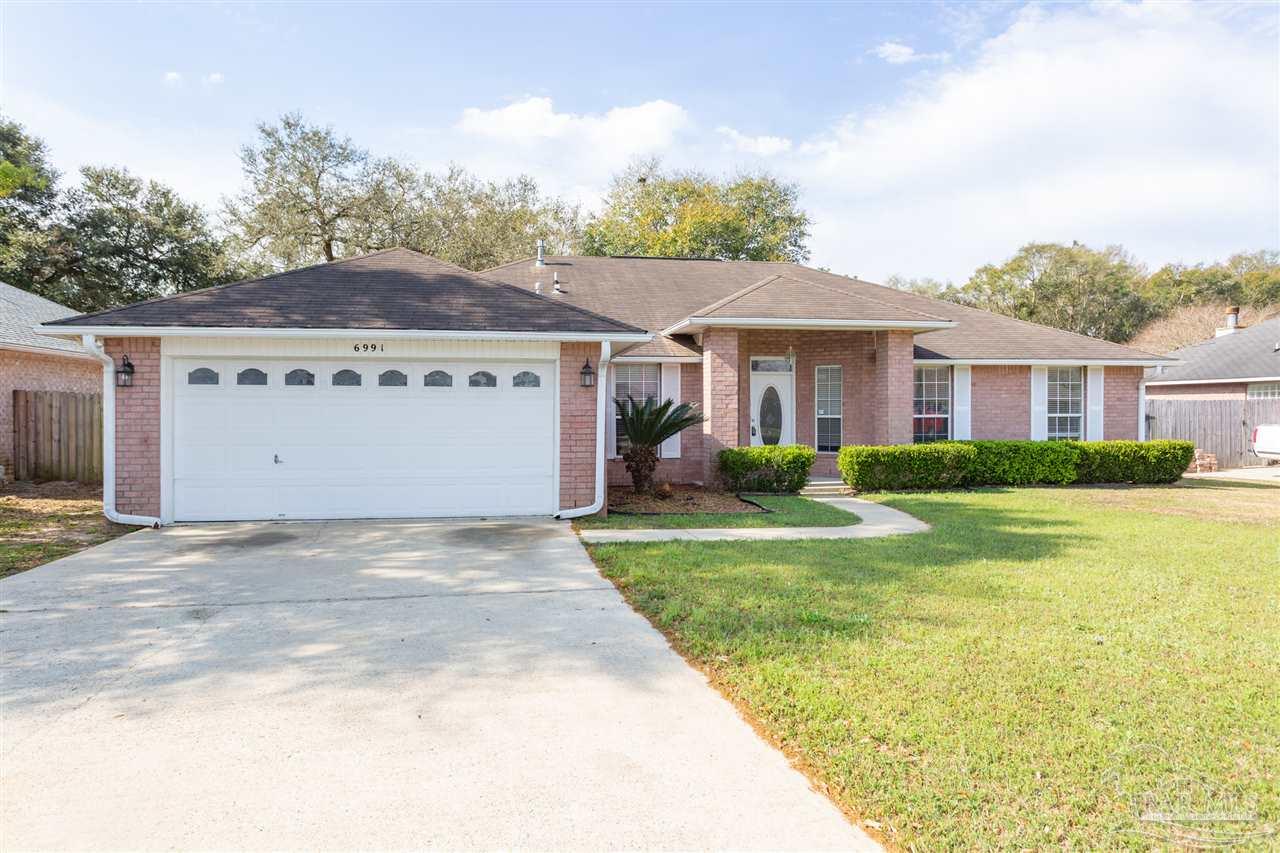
{"x":299,"y":438}
{"x":773,"y":412}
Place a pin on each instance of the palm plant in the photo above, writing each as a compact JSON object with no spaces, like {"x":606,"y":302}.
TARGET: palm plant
{"x":645,"y":425}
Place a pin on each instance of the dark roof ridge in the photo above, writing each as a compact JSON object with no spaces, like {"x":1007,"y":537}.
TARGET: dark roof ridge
{"x":229,"y":284}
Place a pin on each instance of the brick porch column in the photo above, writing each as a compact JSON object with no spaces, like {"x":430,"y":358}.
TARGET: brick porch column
{"x":719,"y":394}
{"x":894,"y":378}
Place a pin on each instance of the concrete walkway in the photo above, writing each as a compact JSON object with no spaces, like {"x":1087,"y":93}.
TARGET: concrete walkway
{"x":1267,"y":474}
{"x":376,"y":685}
{"x":877,"y":520}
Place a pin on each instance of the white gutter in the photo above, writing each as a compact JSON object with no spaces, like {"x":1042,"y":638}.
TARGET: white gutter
{"x":602,"y":399}
{"x":1230,"y":380}
{"x":1040,"y":362}
{"x":410,"y":334}
{"x":685,"y":325}
{"x":52,"y":352}
{"x":94,"y":346}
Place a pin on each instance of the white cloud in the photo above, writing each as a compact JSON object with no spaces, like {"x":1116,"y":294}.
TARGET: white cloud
{"x":760,"y":146}
{"x":896,"y":53}
{"x":172,"y":78}
{"x":213,"y":79}
{"x":1150,"y":125}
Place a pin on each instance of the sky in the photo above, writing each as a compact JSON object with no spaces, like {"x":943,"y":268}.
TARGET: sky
{"x":927,"y":139}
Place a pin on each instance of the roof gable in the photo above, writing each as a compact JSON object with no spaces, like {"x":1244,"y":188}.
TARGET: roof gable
{"x":785,"y":297}
{"x":395,"y":289}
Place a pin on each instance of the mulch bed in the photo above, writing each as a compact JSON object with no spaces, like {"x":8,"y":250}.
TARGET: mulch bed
{"x":683,"y":499}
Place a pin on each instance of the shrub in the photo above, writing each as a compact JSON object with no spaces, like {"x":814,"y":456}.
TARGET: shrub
{"x":776,"y":468}
{"x":1022,"y":463}
{"x":1159,"y":461}
{"x":906,"y":466}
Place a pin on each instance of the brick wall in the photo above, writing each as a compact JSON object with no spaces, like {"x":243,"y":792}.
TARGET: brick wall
{"x":1120,"y":402}
{"x":1199,"y":391}
{"x":138,"y":427}
{"x":27,"y":371}
{"x":577,"y":426}
{"x":1000,"y":403}
{"x":722,"y":381}
{"x":691,"y":466}
{"x":893,"y":387}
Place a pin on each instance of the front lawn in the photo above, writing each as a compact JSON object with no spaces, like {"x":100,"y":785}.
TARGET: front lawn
{"x":41,"y":523}
{"x":784,"y":511}
{"x":1021,"y":676}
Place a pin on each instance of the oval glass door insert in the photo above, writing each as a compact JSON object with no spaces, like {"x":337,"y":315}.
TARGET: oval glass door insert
{"x":770,"y":416}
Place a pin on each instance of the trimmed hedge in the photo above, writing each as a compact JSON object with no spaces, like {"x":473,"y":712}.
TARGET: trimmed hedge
{"x":947,"y":464}
{"x":1021,"y":463}
{"x":939,"y":465}
{"x":775,"y":468}
{"x":1159,"y":461}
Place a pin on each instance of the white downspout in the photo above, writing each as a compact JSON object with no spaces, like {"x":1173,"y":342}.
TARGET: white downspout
{"x":602,"y":399}
{"x":94,"y":346}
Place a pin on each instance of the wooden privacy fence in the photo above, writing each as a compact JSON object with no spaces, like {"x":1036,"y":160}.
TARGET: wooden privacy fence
{"x":1221,"y":427}
{"x":57,"y":435}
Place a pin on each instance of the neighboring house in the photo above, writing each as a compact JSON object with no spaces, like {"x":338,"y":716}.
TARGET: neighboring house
{"x":398,"y":385}
{"x":35,"y":362}
{"x":1218,"y":391}
{"x":1237,"y":364}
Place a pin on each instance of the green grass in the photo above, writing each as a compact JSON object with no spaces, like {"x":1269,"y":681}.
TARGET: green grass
{"x":40,"y":524}
{"x":786,"y":511}
{"x":1015,"y":678}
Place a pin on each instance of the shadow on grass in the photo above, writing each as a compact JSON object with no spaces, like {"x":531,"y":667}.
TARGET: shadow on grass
{"x":859,"y":587}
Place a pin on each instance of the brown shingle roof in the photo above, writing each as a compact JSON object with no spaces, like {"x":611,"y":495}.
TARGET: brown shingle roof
{"x":785,"y":297}
{"x":656,"y":293}
{"x":391,"y":289}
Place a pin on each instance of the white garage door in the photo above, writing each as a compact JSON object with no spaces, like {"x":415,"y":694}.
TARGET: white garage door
{"x":273,"y":439}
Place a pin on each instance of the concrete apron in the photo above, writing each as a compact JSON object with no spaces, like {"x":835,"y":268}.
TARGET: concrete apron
{"x":396,"y":684}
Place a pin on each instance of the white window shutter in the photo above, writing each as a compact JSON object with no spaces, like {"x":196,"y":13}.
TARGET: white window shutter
{"x":1039,"y":403}
{"x":671,"y":391}
{"x":1094,"y":396}
{"x":611,"y":415}
{"x":960,"y":419}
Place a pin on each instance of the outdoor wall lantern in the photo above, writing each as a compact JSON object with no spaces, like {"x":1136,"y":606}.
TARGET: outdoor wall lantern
{"x":124,"y":373}
{"x":587,"y":375}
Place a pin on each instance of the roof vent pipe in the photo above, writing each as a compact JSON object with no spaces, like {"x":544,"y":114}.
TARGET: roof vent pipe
{"x":555,"y":282}
{"x":537,"y":287}
{"x":1233,"y":322}
{"x":542,"y":253}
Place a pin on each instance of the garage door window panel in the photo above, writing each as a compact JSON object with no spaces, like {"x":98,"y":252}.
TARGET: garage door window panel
{"x":346,"y":378}
{"x":438,"y":379}
{"x":482,"y":379}
{"x":526,"y":379}
{"x":205,"y":376}
{"x":251,"y":377}
{"x":300,"y":377}
{"x":393,"y":379}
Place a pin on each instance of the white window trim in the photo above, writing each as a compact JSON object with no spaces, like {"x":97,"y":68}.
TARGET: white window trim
{"x":669,"y":389}
{"x":1083,"y":413}
{"x":612,"y":426}
{"x":816,"y":416}
{"x":961,"y":402}
{"x":1095,"y":396}
{"x":1252,"y":387}
{"x":951,"y":399}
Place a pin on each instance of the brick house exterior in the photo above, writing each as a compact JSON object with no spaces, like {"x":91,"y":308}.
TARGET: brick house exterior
{"x":697,"y":325}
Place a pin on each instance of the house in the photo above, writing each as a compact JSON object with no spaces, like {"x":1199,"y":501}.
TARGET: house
{"x":1235,"y":364}
{"x":1218,"y":391}
{"x":33,"y":362}
{"x":397,"y":385}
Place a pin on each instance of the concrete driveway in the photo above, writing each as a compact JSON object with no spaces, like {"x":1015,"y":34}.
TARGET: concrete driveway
{"x":373,"y":685}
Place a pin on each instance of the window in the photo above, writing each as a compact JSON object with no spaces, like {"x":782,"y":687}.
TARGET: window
{"x":202,"y":376}
{"x":392,"y":379}
{"x":1066,"y":402}
{"x":346,"y":379}
{"x":482,"y":379}
{"x":251,"y":376}
{"x":437,"y":379}
{"x":1263,"y":391}
{"x":931,"y":404}
{"x":639,"y":382}
{"x":829,"y":401}
{"x":298,"y":376}
{"x":770,"y":365}
{"x":526,"y":379}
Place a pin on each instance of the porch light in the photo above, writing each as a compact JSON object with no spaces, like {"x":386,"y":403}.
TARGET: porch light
{"x":124,"y":373}
{"x":587,"y":376}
